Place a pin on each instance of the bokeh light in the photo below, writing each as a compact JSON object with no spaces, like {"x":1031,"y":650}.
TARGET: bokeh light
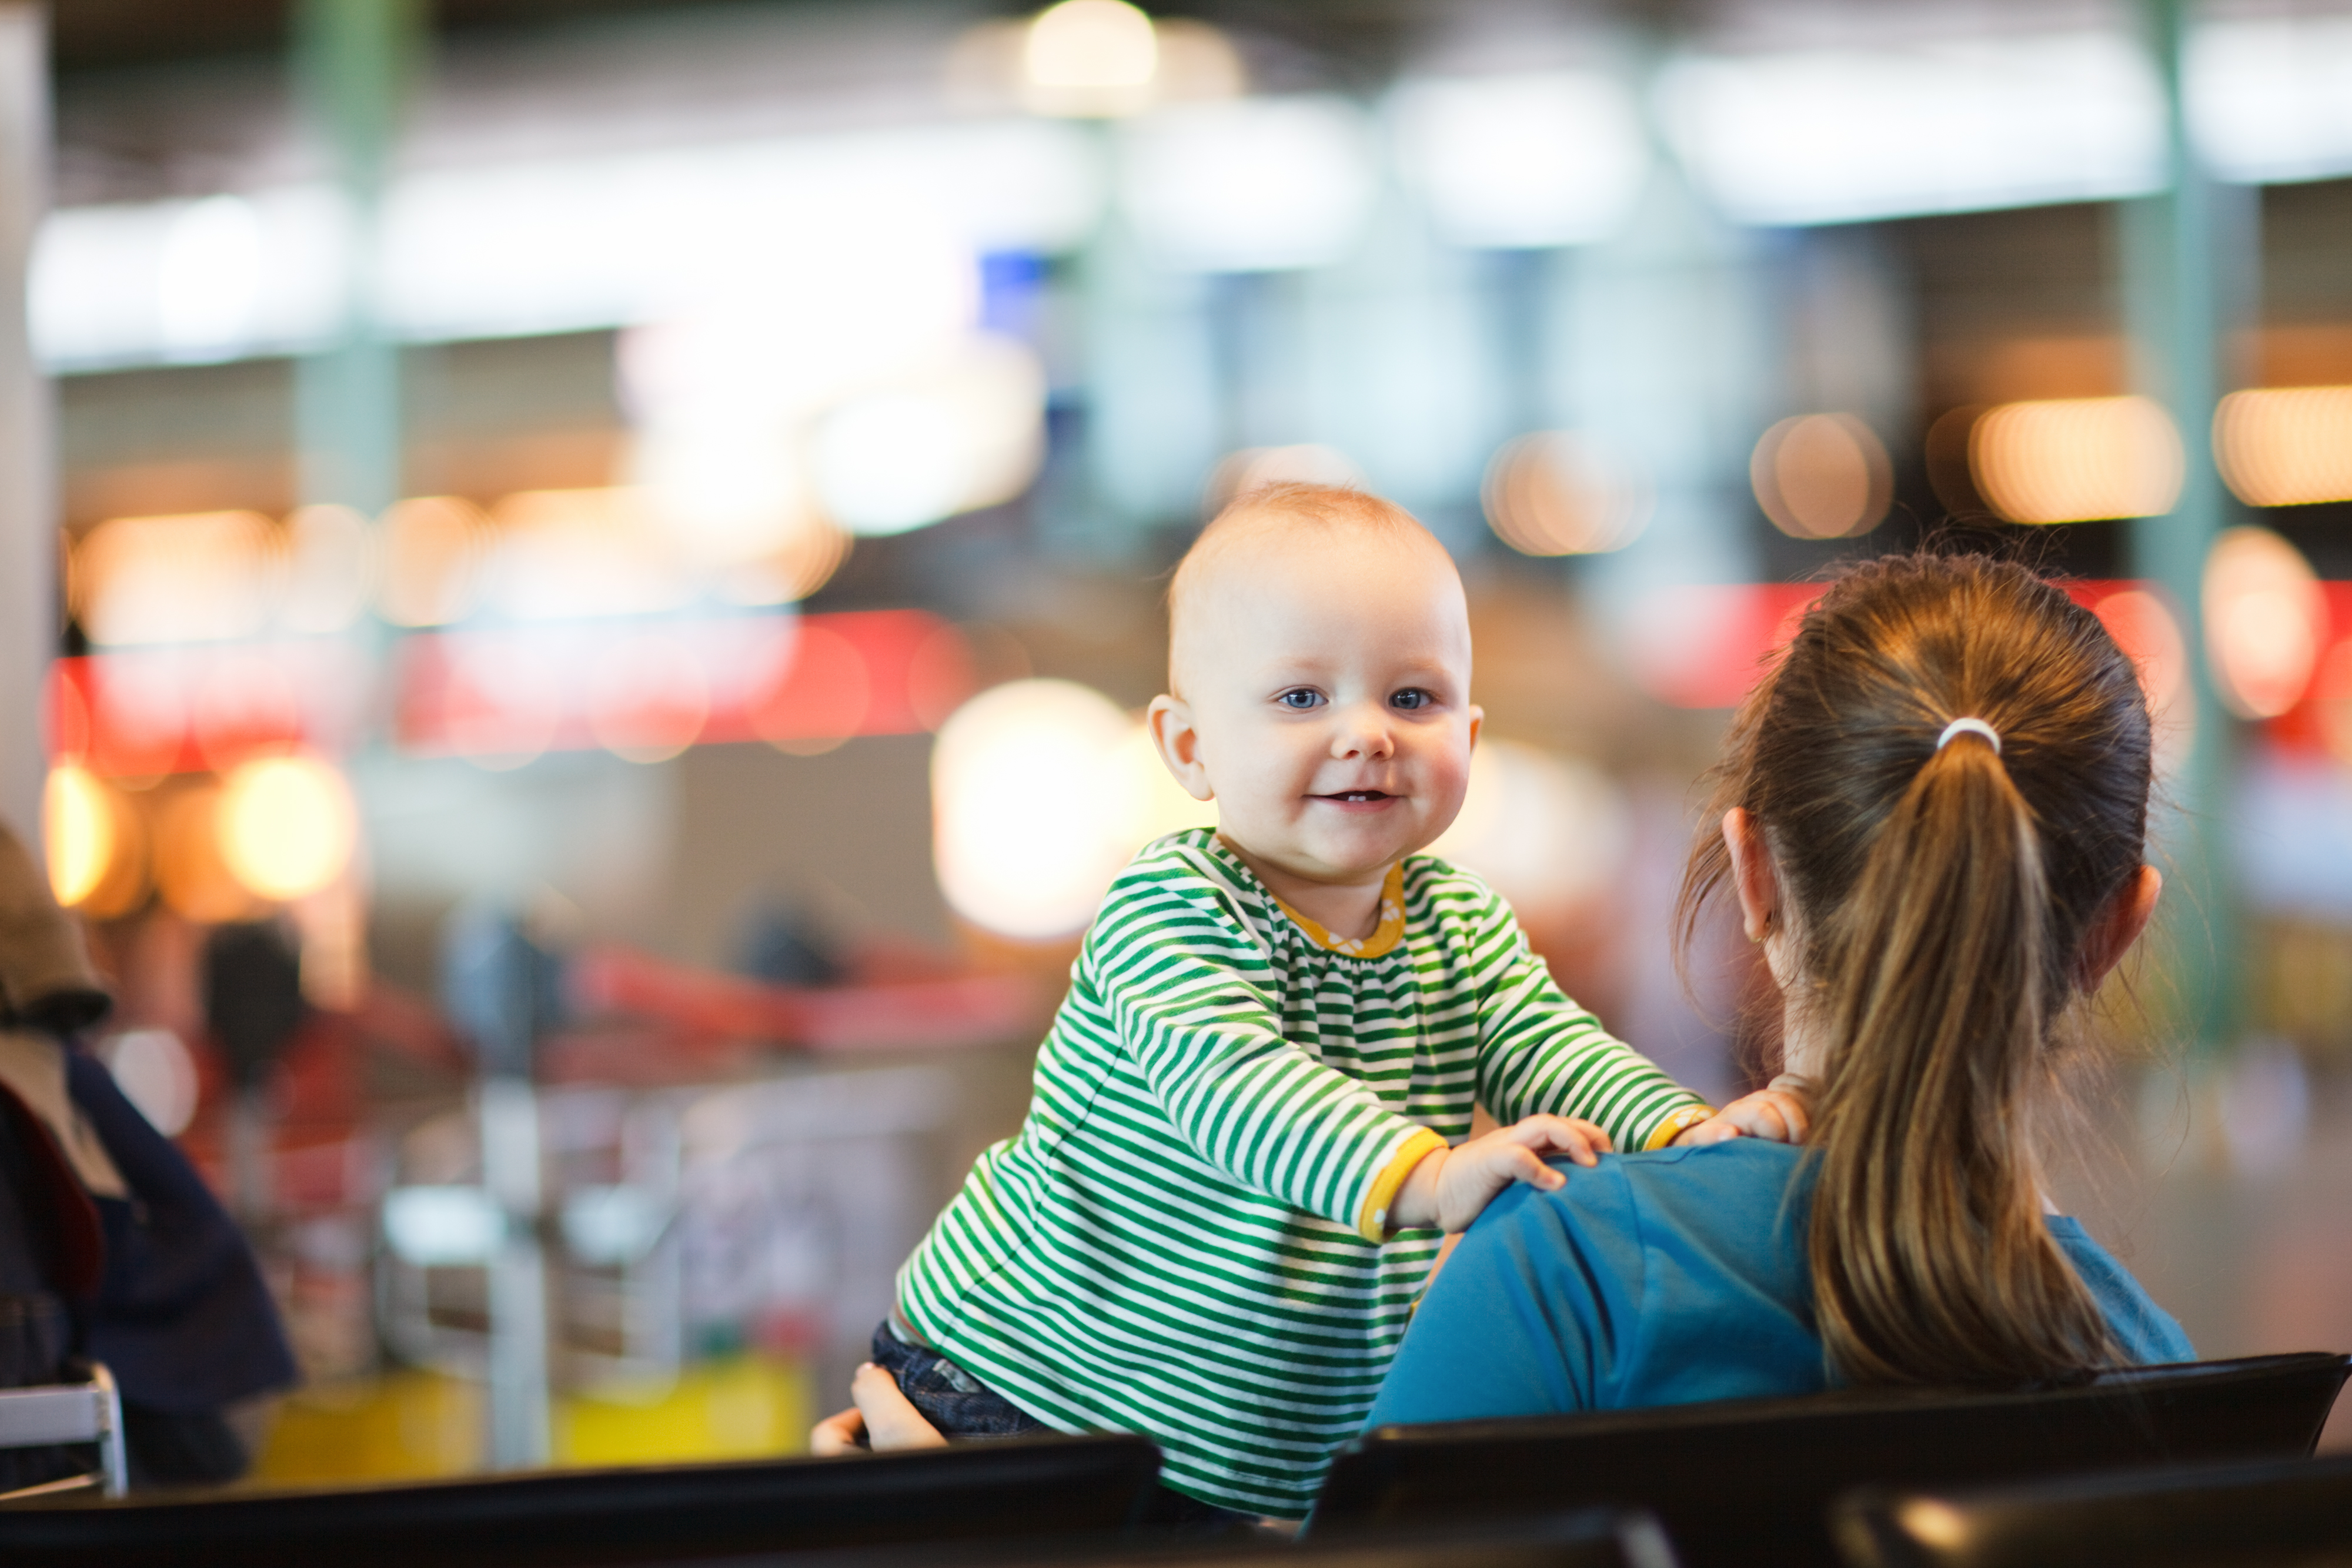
{"x":2266,"y":621}
{"x":330,"y":569}
{"x":2076,"y":460}
{"x":2331,"y":697}
{"x":434,"y":547}
{"x":192,"y":869}
{"x":803,"y":561}
{"x":209,"y":279}
{"x":1547,"y":831}
{"x":2145,"y":627}
{"x":504,"y":703}
{"x":965,"y":434}
{"x":288,"y":826}
{"x":647,"y":698}
{"x":243,"y":702}
{"x":558,"y":555}
{"x":1256,"y":185}
{"x":1032,"y":806}
{"x":1093,"y":58}
{"x":1821,"y":477}
{"x":93,"y":843}
{"x":193,"y":578}
{"x":1250,"y":468}
{"x":1557,"y":493}
{"x":821,"y":697}
{"x":156,"y":1074}
{"x":1544,"y":159}
{"x":2285,"y":446}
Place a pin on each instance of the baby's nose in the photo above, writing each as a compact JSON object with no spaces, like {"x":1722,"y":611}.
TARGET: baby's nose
{"x":1363,"y":734}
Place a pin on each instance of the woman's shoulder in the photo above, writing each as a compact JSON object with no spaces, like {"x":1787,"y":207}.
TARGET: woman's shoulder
{"x":2147,"y":1334}
{"x":1733,"y":1208}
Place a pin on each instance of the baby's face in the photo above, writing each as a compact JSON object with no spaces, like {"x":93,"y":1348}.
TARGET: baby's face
{"x":1329,"y":696}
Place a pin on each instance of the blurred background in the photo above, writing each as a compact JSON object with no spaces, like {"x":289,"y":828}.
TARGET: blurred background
{"x":583,"y":574}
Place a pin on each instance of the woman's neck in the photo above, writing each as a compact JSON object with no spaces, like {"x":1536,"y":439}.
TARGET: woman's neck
{"x":1800,"y":1041}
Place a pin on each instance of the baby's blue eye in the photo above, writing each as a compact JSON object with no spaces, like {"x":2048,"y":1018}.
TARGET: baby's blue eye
{"x":1411,"y":698}
{"x":1300,"y":698}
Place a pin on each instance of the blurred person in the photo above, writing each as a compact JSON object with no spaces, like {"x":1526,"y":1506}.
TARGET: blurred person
{"x":111,"y":1249}
{"x":1240,"y":1158}
{"x":1933,"y":817}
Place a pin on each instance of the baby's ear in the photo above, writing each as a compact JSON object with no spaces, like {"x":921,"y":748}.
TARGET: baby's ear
{"x":1169,"y":719}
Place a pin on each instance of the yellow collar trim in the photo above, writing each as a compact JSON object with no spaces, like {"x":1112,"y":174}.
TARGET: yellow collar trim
{"x":1384,"y":936}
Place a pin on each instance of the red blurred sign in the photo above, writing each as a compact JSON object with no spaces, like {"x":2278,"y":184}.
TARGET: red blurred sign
{"x":147,"y":712}
{"x":1707,"y":645}
{"x":656,"y":688}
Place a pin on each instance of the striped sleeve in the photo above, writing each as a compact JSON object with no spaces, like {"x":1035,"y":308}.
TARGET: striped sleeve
{"x":1540,"y":1053}
{"x":1193,"y":998}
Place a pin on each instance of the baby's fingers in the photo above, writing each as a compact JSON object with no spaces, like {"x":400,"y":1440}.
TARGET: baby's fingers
{"x":837,"y":1434}
{"x":889,"y":1415}
{"x":1578,"y":1139}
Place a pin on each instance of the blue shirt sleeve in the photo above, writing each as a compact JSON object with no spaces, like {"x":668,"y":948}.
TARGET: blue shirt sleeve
{"x":2146,"y":1333}
{"x":1527,"y":1315}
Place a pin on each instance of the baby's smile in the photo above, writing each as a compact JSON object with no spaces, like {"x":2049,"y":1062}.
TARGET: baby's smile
{"x":1358,"y":797}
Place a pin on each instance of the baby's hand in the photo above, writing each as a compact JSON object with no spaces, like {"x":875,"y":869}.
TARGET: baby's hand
{"x":1780,"y":1113}
{"x":1451,"y":1187}
{"x":882,"y":1415}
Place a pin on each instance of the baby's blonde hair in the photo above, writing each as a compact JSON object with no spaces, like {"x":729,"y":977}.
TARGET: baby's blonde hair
{"x":1254,"y":515}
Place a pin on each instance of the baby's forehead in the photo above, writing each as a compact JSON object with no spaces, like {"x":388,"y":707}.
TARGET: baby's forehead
{"x":1242,"y":545}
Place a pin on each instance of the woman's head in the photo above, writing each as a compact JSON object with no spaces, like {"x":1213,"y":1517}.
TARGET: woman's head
{"x":1932,"y":909}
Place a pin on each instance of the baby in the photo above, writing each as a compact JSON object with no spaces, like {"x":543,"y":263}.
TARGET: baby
{"x":1242,"y":1155}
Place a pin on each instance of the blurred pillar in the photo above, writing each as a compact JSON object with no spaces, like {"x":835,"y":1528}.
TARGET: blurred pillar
{"x":1660,"y":354}
{"x":2188,"y":258}
{"x":354,"y":62}
{"x":28,"y":560}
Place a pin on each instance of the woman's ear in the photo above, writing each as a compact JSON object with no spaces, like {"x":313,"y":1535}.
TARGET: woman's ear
{"x":1752,"y":873}
{"x":1169,"y":720}
{"x":2118,"y":926}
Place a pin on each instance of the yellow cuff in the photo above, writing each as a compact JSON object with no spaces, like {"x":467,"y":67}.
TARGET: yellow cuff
{"x":1674,"y":1126}
{"x":1372,"y":1219}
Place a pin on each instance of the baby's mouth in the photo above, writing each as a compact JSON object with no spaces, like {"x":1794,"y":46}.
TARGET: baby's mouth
{"x":1357,"y":797}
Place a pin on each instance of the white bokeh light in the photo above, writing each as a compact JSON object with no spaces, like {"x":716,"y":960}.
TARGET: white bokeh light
{"x":1548,"y":159}
{"x":156,"y":1074}
{"x":1547,"y":831}
{"x":1041,"y":791}
{"x":1251,"y":185}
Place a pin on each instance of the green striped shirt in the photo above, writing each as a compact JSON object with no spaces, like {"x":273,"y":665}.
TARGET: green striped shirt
{"x":1171,"y":1244}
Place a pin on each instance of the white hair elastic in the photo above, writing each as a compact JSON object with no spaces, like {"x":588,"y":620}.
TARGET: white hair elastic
{"x":1970,"y":727}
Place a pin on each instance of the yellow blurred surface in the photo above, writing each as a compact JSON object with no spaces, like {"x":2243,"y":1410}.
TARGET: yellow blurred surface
{"x":411,"y":1425}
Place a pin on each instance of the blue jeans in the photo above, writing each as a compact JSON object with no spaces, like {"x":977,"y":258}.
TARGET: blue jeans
{"x":951,"y":1398}
{"x":965,"y":1409}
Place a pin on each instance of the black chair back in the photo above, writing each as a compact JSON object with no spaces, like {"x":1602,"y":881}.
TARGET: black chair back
{"x":2296,"y":1512}
{"x":1582,"y":1538}
{"x":1035,"y":1488}
{"x":1750,"y":1481}
{"x":1587,"y":1538}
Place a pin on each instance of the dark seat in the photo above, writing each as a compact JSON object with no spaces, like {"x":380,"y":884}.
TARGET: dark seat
{"x":1582,"y":1538}
{"x":1751,"y":1481}
{"x":1032,"y":1489}
{"x":1588,"y":1537}
{"x":2297,"y":1513}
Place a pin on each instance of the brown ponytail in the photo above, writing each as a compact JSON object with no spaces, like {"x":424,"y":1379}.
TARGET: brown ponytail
{"x":1939,"y":900}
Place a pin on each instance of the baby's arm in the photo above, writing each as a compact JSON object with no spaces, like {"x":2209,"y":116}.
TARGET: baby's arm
{"x":1450,"y":1187}
{"x":880,"y":1417}
{"x":1539,"y":1053}
{"x":1780,"y":1113}
{"x":1542,"y":1052}
{"x":1193,"y":1004}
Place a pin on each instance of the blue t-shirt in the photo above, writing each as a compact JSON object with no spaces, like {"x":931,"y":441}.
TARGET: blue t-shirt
{"x":1659,"y":1278}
